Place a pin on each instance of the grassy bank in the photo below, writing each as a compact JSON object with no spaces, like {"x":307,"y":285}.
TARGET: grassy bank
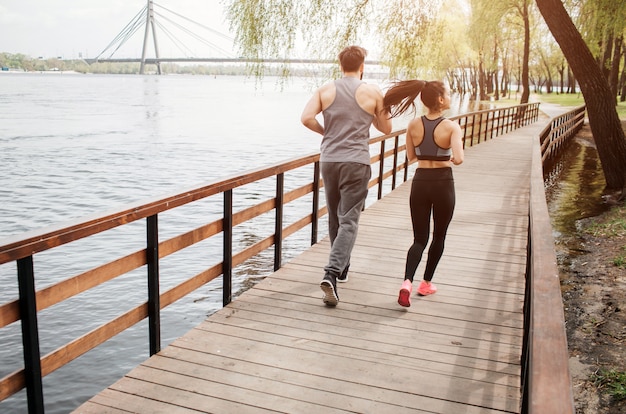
{"x":574,"y":100}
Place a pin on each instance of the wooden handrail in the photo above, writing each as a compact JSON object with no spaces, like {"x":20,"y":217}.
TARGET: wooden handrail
{"x":546,"y":382}
{"x":22,"y":248}
{"x":556,"y":135}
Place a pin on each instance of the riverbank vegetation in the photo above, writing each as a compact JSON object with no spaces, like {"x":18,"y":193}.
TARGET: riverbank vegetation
{"x":593,"y":287}
{"x":22,"y":63}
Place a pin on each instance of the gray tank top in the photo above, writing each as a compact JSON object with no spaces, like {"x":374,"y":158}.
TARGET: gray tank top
{"x":346,"y":126}
{"x":428,"y":148}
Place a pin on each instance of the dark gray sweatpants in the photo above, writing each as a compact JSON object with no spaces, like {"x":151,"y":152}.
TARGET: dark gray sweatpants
{"x":345,"y":186}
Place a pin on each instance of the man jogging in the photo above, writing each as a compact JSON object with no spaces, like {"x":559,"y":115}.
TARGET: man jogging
{"x":349,"y":107}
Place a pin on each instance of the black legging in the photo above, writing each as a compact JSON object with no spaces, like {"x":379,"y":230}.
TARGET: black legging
{"x":432,"y":189}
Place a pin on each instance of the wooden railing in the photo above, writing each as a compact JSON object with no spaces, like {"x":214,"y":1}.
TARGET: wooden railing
{"x":484,"y":125}
{"x":21,"y":249}
{"x":546,"y":382}
{"x":555,"y":137}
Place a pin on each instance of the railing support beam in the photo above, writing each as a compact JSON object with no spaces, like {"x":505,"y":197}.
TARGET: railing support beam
{"x":154,"y":298}
{"x":30,"y":335}
{"x":227,"y":264}
{"x":278,"y":221}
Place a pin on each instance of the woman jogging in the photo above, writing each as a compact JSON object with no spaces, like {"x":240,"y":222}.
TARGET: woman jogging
{"x":436,"y":143}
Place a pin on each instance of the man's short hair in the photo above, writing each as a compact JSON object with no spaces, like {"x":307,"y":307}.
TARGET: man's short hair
{"x":351,"y":58}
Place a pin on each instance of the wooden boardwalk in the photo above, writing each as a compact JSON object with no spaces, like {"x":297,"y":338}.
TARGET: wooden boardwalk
{"x":278,"y":349}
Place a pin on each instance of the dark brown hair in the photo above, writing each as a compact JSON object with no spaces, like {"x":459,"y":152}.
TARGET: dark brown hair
{"x":351,"y":58}
{"x":401,"y":96}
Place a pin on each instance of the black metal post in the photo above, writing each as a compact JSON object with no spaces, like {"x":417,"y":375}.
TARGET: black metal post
{"x":227,"y":266}
{"x":30,"y":335}
{"x":154,"y":295}
{"x":278,"y":228}
{"x":395,"y":162}
{"x":381,"y":169}
{"x":316,"y":202}
{"x":406,"y":166}
{"x":480,"y":126}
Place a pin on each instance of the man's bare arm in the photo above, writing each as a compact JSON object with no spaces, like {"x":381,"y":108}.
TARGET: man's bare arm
{"x":382,"y":118}
{"x":310,"y":112}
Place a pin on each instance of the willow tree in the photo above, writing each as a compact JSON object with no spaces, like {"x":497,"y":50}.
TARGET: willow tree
{"x":602,"y":24}
{"x":603,"y":119}
{"x":455,"y":56}
{"x":282,"y":29}
{"x":409,"y":36}
{"x":483,"y":33}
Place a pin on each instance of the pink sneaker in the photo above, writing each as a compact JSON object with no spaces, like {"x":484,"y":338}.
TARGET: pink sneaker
{"x":404,"y":298}
{"x":426,"y":288}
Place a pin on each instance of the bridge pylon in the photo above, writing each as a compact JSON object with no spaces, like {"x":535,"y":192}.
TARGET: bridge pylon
{"x":150,"y":25}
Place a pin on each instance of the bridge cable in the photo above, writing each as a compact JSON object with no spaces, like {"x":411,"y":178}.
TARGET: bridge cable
{"x":126,"y":32}
{"x":180,"y":45}
{"x":198,"y":24}
{"x":194,"y":35}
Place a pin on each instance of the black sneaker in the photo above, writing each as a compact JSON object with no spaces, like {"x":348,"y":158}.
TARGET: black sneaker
{"x":329,"y":287}
{"x":343,"y":277}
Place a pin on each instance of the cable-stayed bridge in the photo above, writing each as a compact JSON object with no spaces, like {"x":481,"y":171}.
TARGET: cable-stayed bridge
{"x":180,"y":33}
{"x":175,"y":27}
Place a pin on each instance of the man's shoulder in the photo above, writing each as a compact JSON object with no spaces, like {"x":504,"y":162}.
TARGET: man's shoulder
{"x":327,"y":85}
{"x":371,"y":86}
{"x":371,"y":89}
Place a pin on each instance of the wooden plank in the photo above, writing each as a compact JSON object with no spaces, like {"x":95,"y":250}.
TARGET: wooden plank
{"x":279,"y":348}
{"x":361,"y":399}
{"x":475,"y":353}
{"x":327,"y":361}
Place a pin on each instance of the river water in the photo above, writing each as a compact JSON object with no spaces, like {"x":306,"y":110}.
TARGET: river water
{"x":574,"y":192}
{"x":74,"y":145}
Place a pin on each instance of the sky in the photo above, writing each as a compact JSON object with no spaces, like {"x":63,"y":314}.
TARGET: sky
{"x":73,"y":29}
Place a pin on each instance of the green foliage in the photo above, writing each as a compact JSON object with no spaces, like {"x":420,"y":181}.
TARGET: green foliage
{"x":613,"y":225}
{"x":600,"y":18}
{"x":271,"y":29}
{"x":413,"y":36}
{"x":613,"y":381}
{"x":620,"y":261}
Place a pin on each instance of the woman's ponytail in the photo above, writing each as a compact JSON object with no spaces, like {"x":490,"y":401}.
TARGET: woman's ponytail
{"x":401,"y":96}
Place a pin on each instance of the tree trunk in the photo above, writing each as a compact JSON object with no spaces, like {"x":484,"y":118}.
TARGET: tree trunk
{"x":546,"y":64}
{"x":496,"y":91}
{"x":617,"y":57}
{"x":622,"y":81}
{"x":603,"y":119}
{"x":571,"y":80}
{"x":482,"y":96}
{"x":526,"y":58}
{"x":605,"y":63}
